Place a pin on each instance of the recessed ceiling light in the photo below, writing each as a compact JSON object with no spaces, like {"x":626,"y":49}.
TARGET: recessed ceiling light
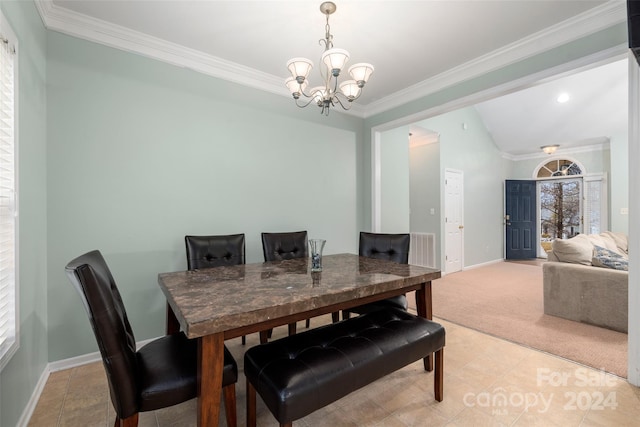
{"x":562,"y":98}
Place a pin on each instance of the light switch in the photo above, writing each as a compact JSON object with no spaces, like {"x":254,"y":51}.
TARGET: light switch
{"x":624,"y":211}
{"x":432,"y":211}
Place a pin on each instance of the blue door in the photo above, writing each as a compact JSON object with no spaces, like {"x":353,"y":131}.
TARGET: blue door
{"x":520,"y":219}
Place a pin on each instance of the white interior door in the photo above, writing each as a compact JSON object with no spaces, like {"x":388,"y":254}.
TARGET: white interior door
{"x":453,"y":221}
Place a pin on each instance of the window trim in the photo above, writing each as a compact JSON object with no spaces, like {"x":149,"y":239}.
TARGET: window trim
{"x":10,"y":349}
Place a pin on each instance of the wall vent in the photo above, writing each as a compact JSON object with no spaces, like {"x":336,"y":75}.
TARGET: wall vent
{"x":422,"y":250}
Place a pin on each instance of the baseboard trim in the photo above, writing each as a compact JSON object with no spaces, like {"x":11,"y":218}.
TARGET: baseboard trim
{"x":60,"y":365}
{"x":484,"y":264}
{"x":33,"y":400}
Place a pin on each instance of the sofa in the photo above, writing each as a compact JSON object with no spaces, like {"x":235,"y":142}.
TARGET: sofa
{"x":585,"y":279}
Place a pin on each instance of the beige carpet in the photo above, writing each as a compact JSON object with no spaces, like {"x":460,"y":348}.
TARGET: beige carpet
{"x":505,"y":300}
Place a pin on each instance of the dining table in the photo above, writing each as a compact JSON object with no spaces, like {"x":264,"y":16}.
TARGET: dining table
{"x":216,"y":304}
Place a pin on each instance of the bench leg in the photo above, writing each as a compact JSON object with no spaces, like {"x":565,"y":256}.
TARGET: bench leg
{"x":438,"y":377}
{"x":251,"y":405}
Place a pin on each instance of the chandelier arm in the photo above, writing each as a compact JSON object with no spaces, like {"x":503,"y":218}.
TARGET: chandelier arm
{"x":305,"y":94}
{"x":305,"y":104}
{"x":339,"y":101}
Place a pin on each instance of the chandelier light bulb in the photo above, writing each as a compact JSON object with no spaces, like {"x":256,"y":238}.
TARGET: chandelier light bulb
{"x":300,"y":68}
{"x":361,"y":72}
{"x":350,"y":89}
{"x":294,"y":87}
{"x":335,"y":59}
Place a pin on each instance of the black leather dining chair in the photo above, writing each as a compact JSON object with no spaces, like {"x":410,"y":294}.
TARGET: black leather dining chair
{"x":391,"y":247}
{"x":215,"y":251}
{"x":160,"y":374}
{"x":282,"y":246}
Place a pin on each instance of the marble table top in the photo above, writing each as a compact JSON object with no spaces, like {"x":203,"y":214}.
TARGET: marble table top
{"x":219,"y":299}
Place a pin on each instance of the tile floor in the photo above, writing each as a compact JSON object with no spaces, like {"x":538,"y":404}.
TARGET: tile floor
{"x":488,"y":382}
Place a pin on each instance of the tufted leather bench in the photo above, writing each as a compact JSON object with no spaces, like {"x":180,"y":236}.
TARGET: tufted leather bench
{"x":300,"y":374}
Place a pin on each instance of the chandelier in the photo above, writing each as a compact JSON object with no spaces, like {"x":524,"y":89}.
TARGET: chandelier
{"x":334,"y":60}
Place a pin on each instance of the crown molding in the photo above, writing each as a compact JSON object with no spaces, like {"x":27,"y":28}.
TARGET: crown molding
{"x":593,"y":144}
{"x":78,"y":25}
{"x":589,"y":22}
{"x":75,"y":24}
{"x":68,"y":22}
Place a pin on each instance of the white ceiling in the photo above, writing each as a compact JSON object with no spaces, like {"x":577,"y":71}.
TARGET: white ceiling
{"x":597,"y":109}
{"x":417,"y":48}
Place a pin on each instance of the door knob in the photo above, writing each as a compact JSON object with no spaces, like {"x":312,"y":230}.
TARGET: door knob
{"x":461,"y":227}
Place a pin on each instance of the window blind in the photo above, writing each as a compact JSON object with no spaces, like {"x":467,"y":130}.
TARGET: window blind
{"x":8,"y":206}
{"x":595,"y":205}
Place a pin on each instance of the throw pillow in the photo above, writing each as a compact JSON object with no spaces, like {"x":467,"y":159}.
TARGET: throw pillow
{"x":577,"y":250}
{"x":620,"y":239}
{"x":603,"y":257}
{"x":604,"y":241}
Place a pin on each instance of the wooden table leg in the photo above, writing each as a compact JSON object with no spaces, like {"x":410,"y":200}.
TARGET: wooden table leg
{"x":424,"y":306}
{"x":173,"y":326}
{"x":210,"y":364}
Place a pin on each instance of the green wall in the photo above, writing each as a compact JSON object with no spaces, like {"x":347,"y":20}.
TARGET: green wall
{"x":465,"y":145}
{"x":141,"y":153}
{"x":619,"y":183}
{"x":394,"y":181}
{"x":19,"y":378}
{"x":424,"y":188}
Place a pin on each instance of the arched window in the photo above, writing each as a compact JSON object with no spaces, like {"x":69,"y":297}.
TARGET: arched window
{"x":559,"y":168}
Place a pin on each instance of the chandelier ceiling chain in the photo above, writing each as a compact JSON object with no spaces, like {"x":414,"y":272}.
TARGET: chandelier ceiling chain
{"x":330,"y":94}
